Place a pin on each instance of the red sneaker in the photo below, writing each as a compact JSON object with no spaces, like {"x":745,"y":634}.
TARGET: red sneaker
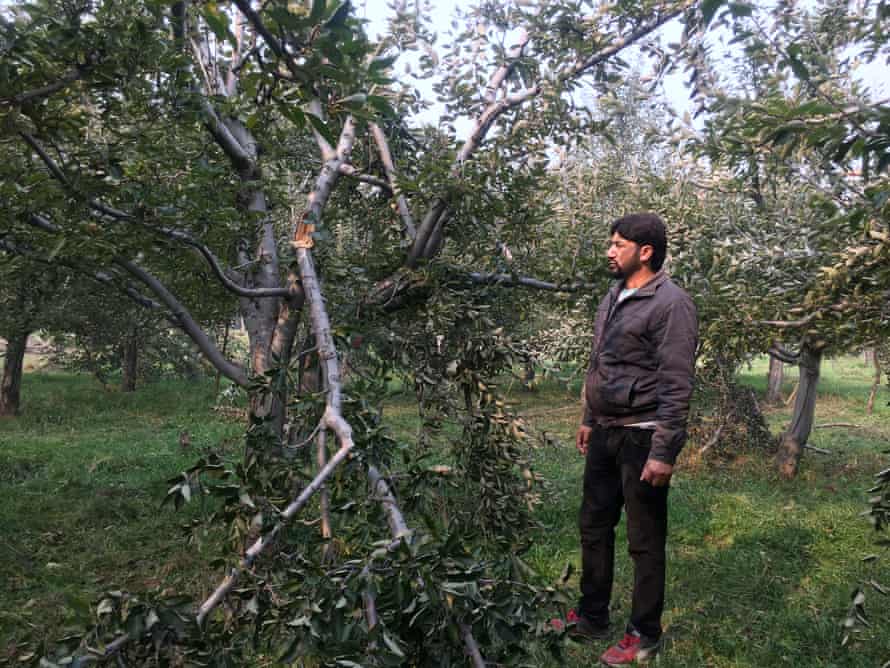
{"x":580,"y":628}
{"x":559,"y":624}
{"x":632,"y":648}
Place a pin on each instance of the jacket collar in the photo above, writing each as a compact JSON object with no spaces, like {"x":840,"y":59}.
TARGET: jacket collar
{"x":646,"y":290}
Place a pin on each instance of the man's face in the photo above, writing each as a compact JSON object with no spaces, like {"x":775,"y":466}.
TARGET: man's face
{"x":624,"y":256}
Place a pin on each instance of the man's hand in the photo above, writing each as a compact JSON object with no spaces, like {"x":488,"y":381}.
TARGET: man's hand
{"x":582,"y":438}
{"x":656,"y":473}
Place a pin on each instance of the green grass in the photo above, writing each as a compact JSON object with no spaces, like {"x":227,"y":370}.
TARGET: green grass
{"x":760,"y":569}
{"x":82,"y":475}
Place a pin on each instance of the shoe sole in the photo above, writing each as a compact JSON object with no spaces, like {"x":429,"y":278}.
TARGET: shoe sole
{"x":645,"y":656}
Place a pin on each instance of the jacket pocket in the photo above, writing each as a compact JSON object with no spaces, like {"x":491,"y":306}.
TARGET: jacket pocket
{"x":645,"y":392}
{"x":618,"y":392}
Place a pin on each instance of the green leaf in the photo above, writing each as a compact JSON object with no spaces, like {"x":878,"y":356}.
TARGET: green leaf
{"x":321,"y":128}
{"x":339,"y":14}
{"x":355,"y":98}
{"x":334,"y":73}
{"x":739,"y":9}
{"x":800,"y":70}
{"x":318,"y":8}
{"x":709,"y":9}
{"x":381,"y":64}
{"x":287,"y":20}
{"x":294,"y":114}
{"x":219,"y":23}
{"x":393,"y":645}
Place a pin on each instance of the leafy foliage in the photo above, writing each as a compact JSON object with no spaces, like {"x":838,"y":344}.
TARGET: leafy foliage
{"x":176,"y":168}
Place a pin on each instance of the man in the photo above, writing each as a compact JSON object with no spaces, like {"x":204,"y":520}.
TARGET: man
{"x":637,"y":393}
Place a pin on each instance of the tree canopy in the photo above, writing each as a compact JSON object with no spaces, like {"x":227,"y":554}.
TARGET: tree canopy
{"x":205,"y":158}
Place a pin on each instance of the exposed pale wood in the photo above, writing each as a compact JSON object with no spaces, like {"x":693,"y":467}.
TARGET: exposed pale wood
{"x":713,"y":440}
{"x":324,"y":497}
{"x":262,"y":543}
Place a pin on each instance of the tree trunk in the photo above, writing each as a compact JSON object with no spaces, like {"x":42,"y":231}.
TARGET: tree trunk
{"x":269,"y":322}
{"x":11,"y":384}
{"x":774,"y":381}
{"x":225,"y":346}
{"x":876,"y":384}
{"x":798,"y":432}
{"x":130,"y":359}
{"x":528,"y":374}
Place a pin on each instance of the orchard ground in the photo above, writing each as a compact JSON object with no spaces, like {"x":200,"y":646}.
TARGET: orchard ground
{"x":761,"y":569}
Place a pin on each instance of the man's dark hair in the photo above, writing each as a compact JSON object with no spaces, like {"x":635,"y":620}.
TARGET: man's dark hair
{"x":644,"y":229}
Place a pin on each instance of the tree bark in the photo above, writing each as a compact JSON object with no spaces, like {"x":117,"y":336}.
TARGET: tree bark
{"x":13,"y":369}
{"x":774,"y":381}
{"x":798,"y":432}
{"x":270,"y":322}
{"x":870,"y":408}
{"x":130,"y":359}
{"x":224,"y":351}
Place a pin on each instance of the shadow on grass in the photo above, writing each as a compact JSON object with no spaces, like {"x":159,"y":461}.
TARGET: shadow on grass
{"x":732,"y":602}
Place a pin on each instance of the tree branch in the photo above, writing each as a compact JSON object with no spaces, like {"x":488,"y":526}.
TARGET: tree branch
{"x":69,"y":77}
{"x":170,"y":233}
{"x":428,"y":238}
{"x":324,"y":184}
{"x":466,"y":633}
{"x":509,"y":280}
{"x":241,"y":159}
{"x":487,"y":119}
{"x":42,"y":223}
{"x":830,"y":425}
{"x":790,"y":324}
{"x":332,"y":418}
{"x":54,"y":169}
{"x":276,"y":46}
{"x":381,"y":491}
{"x":327,"y":151}
{"x":288,"y":317}
{"x":268,"y":538}
{"x":390,"y":171}
{"x":231,"y":371}
{"x":104,"y":278}
{"x":321,"y":329}
{"x":257,"y":548}
{"x":783,"y":354}
{"x":324,"y":497}
{"x":500,"y":75}
{"x":622,"y":43}
{"x":399,"y":531}
{"x":352,"y":172}
{"x":433,"y":219}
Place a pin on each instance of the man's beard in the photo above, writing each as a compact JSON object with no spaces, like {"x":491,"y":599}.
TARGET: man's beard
{"x":632,"y":267}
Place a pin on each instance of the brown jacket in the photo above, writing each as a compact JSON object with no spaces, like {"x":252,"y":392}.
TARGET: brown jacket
{"x":642,"y":363}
